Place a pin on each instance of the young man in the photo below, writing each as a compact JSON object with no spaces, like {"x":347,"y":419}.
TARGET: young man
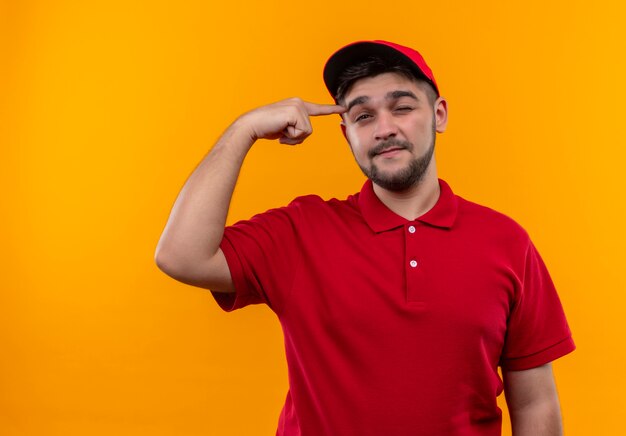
{"x":397,"y":304}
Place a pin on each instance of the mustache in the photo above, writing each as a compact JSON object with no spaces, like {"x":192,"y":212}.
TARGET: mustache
{"x":389,"y":143}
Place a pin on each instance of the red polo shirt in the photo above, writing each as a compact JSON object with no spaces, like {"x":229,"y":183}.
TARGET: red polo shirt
{"x":395,"y":327}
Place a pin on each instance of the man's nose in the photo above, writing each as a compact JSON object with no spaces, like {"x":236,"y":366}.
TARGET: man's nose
{"x":385,"y":126}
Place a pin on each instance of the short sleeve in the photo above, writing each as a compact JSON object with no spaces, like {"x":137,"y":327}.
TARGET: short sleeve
{"x":262,"y":255}
{"x":537,"y":330}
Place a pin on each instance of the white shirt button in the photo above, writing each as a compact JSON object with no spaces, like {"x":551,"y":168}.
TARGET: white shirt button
{"x":411,"y":229}
{"x":413,"y":263}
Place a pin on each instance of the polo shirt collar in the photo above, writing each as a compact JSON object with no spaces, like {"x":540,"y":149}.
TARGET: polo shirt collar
{"x":380,"y":218}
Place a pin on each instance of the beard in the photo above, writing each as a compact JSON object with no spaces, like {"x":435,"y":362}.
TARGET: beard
{"x":405,"y":178}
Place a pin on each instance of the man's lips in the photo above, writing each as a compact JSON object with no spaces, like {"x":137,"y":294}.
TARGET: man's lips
{"x":389,"y":150}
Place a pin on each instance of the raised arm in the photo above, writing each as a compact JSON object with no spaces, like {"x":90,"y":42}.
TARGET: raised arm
{"x":533,"y":402}
{"x":188,"y":249}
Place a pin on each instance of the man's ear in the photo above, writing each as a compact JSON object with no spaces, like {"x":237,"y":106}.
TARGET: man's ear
{"x":441,"y":114}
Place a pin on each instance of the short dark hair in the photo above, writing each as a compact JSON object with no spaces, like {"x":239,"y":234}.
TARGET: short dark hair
{"x":374,"y":66}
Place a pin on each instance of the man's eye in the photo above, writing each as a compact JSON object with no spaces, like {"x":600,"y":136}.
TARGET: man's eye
{"x":361,"y":117}
{"x":404,"y":108}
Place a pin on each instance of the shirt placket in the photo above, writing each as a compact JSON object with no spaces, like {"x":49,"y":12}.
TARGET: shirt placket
{"x":413,"y":265}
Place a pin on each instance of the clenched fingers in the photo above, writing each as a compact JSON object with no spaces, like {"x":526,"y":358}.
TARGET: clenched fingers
{"x":298,"y":132}
{"x":298,"y":125}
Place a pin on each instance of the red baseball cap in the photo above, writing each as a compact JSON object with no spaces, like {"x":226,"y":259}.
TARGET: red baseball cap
{"x":360,"y":51}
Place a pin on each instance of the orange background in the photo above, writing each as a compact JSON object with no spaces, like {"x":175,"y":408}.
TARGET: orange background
{"x":106,"y":107}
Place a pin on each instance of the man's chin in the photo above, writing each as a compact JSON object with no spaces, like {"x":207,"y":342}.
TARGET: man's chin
{"x":398,"y":180}
{"x":395,"y":183}
{"x":394,"y":186}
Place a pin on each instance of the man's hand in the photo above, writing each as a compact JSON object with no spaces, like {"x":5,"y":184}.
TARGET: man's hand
{"x":287,"y":120}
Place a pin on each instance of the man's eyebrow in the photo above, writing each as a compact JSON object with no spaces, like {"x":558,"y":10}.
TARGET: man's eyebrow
{"x":358,"y":100}
{"x":394,"y":95}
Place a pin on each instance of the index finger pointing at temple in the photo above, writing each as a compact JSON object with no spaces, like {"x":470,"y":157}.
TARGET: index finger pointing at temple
{"x":314,"y":109}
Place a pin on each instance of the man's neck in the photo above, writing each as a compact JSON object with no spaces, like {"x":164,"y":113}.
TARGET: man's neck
{"x":414,"y":201}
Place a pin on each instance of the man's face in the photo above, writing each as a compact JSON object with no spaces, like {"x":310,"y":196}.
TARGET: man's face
{"x":390,"y":126}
